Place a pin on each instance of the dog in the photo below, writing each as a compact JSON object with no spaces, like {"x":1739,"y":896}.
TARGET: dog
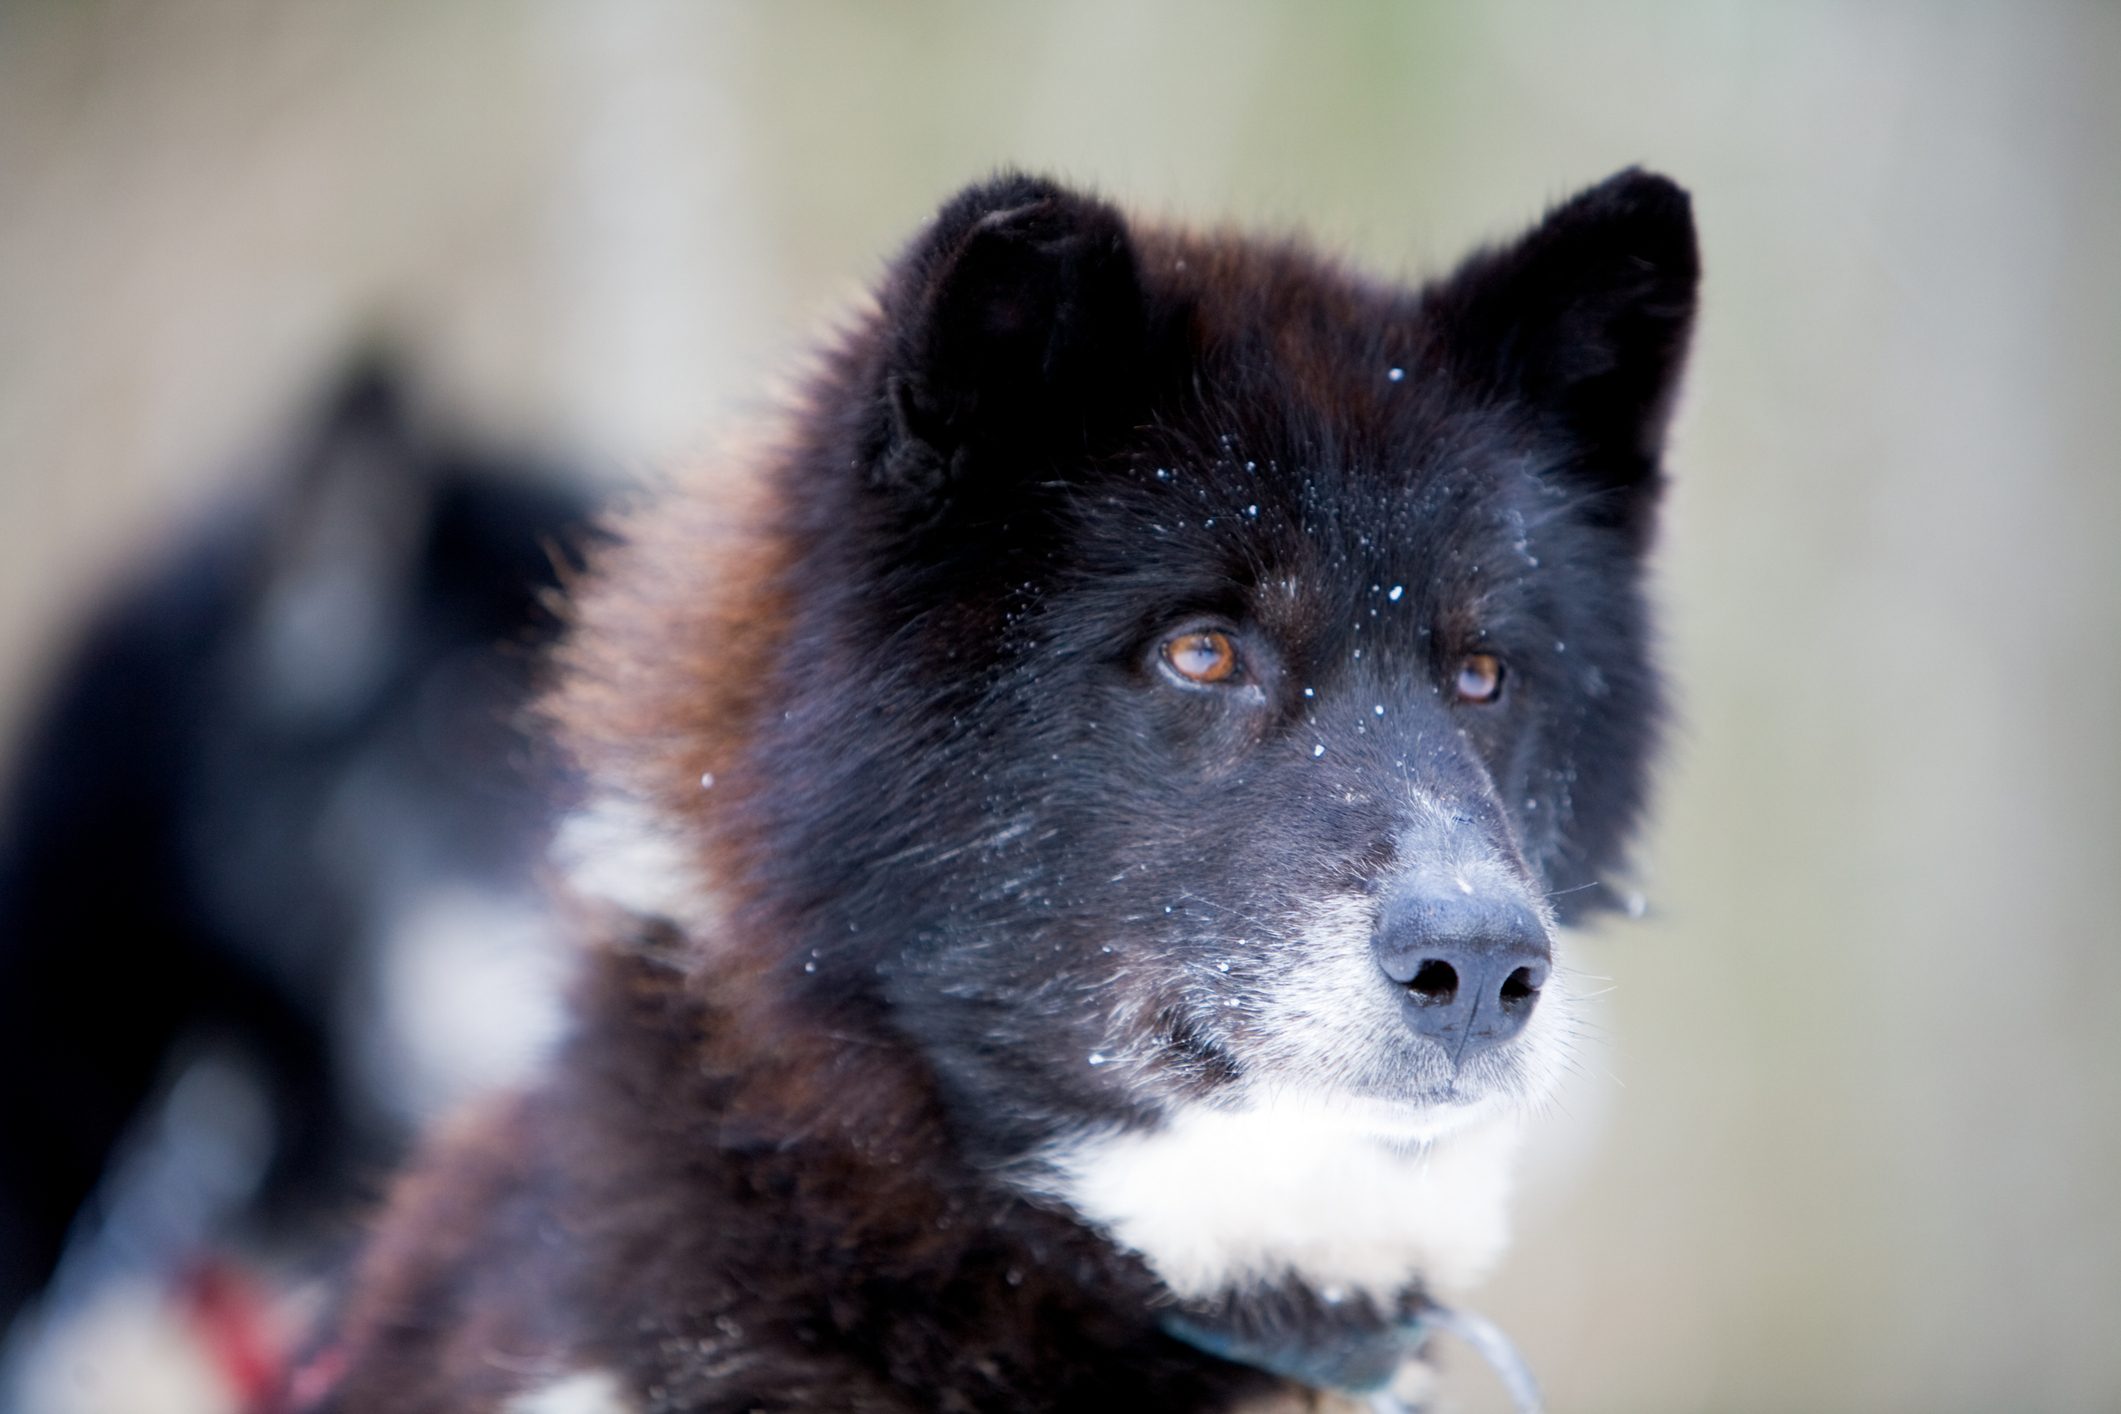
{"x":1075,"y":850}
{"x":277,"y":787}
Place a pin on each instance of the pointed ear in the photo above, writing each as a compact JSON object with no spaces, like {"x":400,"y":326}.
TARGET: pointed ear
{"x":1586,"y":318}
{"x":1014,"y":330}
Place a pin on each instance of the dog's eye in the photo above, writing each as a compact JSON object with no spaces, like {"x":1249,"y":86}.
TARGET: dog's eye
{"x":1479,"y":677}
{"x":1204,"y":655}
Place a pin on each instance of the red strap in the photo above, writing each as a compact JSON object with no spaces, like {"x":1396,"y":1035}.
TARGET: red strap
{"x":239,"y":1328}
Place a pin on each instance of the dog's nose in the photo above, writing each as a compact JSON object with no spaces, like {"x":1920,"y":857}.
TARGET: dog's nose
{"x":1470,"y":962}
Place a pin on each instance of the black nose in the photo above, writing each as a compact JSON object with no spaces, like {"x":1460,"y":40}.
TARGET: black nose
{"x":1470,"y":961}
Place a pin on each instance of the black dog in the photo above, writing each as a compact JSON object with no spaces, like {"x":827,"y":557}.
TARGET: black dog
{"x":1076,"y":857}
{"x":274,"y":759}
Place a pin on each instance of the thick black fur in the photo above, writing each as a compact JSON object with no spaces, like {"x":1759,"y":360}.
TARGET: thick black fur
{"x":988,"y":874}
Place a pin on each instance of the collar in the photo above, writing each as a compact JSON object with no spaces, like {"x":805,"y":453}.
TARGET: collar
{"x":1362,"y":1360}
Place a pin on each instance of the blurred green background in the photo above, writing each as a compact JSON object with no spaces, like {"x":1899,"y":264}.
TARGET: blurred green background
{"x":1852,"y":1139}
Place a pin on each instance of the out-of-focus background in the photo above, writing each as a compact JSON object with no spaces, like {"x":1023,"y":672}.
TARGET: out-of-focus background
{"x":1852,"y":1137}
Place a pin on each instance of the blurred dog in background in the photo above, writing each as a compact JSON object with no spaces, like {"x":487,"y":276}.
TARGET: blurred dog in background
{"x":267,"y":859}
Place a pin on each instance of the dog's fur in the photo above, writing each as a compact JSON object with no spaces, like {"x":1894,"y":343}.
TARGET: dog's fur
{"x":973,"y":992}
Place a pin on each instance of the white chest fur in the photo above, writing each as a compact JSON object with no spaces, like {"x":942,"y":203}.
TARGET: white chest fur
{"x":1224,"y":1198}
{"x":584,"y":1392}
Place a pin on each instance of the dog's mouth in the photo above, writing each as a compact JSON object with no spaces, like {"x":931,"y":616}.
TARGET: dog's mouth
{"x":1192,"y":1059}
{"x":1408,"y":1092}
{"x":1400,"y":1112}
{"x":1409,"y":1123}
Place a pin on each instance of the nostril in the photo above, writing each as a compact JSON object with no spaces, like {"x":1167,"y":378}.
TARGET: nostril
{"x":1520,"y":986}
{"x":1435,"y":982}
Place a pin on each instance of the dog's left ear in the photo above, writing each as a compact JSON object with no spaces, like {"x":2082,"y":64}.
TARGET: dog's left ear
{"x":1015,"y":329}
{"x":1586,"y":319}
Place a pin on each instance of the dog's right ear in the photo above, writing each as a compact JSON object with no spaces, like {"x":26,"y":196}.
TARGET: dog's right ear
{"x":1014,"y":330}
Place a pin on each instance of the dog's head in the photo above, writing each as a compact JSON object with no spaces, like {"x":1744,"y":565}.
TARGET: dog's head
{"x":1198,"y":679}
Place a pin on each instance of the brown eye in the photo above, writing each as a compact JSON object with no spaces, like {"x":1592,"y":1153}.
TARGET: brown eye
{"x":1479,"y":677}
{"x":1203,"y":655}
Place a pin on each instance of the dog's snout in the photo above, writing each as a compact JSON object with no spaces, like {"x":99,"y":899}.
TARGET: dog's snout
{"x":1470,"y":962}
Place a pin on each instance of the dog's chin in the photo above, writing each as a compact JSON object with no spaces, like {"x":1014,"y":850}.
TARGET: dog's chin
{"x":1338,"y":1191}
{"x":1409,"y":1120}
